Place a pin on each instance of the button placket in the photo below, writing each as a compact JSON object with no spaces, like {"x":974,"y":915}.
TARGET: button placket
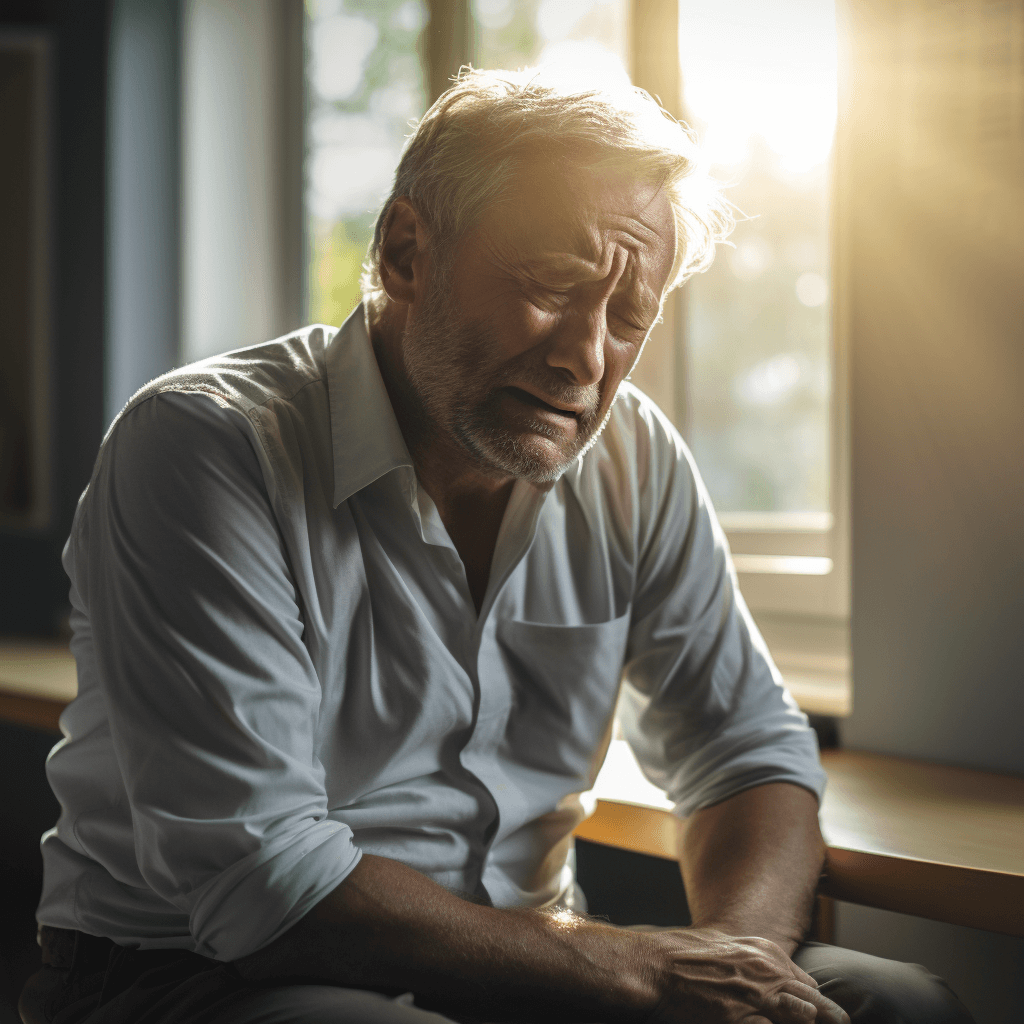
{"x":493,"y":688}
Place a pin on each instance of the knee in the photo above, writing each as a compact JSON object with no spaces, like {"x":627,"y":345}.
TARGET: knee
{"x":877,"y":991}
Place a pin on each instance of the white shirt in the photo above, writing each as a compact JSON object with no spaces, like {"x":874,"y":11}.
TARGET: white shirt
{"x":280,"y":664}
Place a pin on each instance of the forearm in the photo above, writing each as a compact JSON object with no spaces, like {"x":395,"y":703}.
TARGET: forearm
{"x":389,"y":927}
{"x":751,"y":863}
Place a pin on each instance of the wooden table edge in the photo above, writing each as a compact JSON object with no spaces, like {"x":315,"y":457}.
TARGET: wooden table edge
{"x":951,"y":893}
{"x":42,"y":713}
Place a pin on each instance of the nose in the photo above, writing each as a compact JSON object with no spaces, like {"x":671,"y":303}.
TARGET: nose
{"x":577,"y":346}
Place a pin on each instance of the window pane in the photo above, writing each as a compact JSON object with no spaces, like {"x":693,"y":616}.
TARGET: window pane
{"x":365,"y":83}
{"x":760,"y":88}
{"x":587,"y":38}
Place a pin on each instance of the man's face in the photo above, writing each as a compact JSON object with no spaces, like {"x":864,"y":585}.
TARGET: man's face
{"x":517,"y":353}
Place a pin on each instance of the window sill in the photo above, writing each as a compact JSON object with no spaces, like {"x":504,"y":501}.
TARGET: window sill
{"x":925,"y":839}
{"x":813,"y":655}
{"x":38,"y":680}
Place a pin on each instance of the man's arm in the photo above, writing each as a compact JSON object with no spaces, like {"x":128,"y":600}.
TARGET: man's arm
{"x":188,"y":621}
{"x":387,"y":927}
{"x":390,"y":928}
{"x":751,"y":863}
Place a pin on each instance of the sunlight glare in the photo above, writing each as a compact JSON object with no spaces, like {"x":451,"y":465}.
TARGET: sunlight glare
{"x":769,"y":70}
{"x":564,"y":919}
{"x":811,"y":289}
{"x":584,"y":63}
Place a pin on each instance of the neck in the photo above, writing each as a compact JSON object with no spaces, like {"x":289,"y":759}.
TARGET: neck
{"x":470,"y":502}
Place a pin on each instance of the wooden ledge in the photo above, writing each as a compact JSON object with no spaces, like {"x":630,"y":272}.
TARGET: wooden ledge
{"x":37,"y":681}
{"x":930,"y":840}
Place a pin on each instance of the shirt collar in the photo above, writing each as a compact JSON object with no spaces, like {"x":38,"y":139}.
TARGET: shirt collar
{"x":365,"y":435}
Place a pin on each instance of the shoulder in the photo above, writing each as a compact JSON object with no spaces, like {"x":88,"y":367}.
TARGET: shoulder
{"x":170,"y":427}
{"x":639,"y":447}
{"x":174,"y":451}
{"x":268,"y":393}
{"x":248,"y":378}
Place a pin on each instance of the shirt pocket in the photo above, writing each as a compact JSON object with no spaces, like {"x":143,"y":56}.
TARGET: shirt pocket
{"x":565,"y":682}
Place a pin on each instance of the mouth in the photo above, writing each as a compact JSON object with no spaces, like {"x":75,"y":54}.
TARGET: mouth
{"x":527,"y":398}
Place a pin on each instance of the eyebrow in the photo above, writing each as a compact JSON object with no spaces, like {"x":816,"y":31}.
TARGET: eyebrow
{"x":566,"y":268}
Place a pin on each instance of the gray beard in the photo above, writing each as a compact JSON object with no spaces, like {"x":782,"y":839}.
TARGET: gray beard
{"x":441,"y":353}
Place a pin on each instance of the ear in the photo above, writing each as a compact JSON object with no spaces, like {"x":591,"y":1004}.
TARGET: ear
{"x":403,"y":253}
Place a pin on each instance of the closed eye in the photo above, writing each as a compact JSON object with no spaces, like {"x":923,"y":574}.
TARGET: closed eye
{"x":630,"y":324}
{"x":547,"y":299}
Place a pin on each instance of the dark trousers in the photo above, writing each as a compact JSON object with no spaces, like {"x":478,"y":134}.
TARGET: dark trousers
{"x":96,"y":982}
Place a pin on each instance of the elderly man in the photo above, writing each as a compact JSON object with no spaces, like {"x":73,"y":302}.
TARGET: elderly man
{"x":352,"y":610}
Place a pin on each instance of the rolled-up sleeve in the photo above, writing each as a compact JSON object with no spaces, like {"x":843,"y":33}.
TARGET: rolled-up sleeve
{"x":703,"y":706}
{"x":212,"y":697}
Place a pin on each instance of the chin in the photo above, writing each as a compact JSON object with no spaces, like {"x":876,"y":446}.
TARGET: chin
{"x":530,"y":457}
{"x":525,"y":455}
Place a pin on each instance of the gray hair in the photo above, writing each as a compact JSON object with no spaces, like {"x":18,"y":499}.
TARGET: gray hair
{"x":464,"y":152}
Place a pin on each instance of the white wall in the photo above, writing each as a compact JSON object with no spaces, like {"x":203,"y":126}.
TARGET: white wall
{"x":241,"y":257}
{"x":143,"y":256}
{"x":935,"y":232}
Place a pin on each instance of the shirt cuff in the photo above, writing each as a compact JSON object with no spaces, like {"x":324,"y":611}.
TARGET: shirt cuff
{"x":796,"y":766}
{"x":261,"y":896}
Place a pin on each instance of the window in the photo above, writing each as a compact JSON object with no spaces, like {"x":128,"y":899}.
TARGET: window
{"x":589,"y":37}
{"x":365,"y":83}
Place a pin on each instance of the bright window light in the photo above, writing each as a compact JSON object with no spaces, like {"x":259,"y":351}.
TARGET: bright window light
{"x":760,"y":88}
{"x":584,"y":39}
{"x":364,"y":81}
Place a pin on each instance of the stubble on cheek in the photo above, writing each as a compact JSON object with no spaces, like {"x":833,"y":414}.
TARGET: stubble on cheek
{"x":540,"y":452}
{"x":461,"y":389}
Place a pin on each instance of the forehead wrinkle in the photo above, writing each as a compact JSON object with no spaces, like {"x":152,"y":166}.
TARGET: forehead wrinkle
{"x":504,"y":255}
{"x":639,"y":239}
{"x":593,"y":253}
{"x":591,"y":238}
{"x":580,"y":244}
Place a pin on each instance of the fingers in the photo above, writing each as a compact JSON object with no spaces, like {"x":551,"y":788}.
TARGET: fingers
{"x":772,"y":949}
{"x":823,"y":1010}
{"x":797,"y":1009}
{"x":802,"y":975}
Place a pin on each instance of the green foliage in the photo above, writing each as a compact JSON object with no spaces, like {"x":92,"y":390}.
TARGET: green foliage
{"x":512,"y":46}
{"x":337,"y":250}
{"x":335,"y":266}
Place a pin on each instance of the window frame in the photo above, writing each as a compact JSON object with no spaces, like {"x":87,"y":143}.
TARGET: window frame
{"x":37,"y":516}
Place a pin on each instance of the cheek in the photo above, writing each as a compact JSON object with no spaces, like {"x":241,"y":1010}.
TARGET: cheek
{"x":517,"y":326}
{"x":619,"y":359}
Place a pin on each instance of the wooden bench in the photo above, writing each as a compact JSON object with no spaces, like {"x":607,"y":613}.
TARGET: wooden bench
{"x":931,"y":840}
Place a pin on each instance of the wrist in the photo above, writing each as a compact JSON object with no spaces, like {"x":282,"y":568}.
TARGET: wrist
{"x":746,"y":929}
{"x":621,"y":970}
